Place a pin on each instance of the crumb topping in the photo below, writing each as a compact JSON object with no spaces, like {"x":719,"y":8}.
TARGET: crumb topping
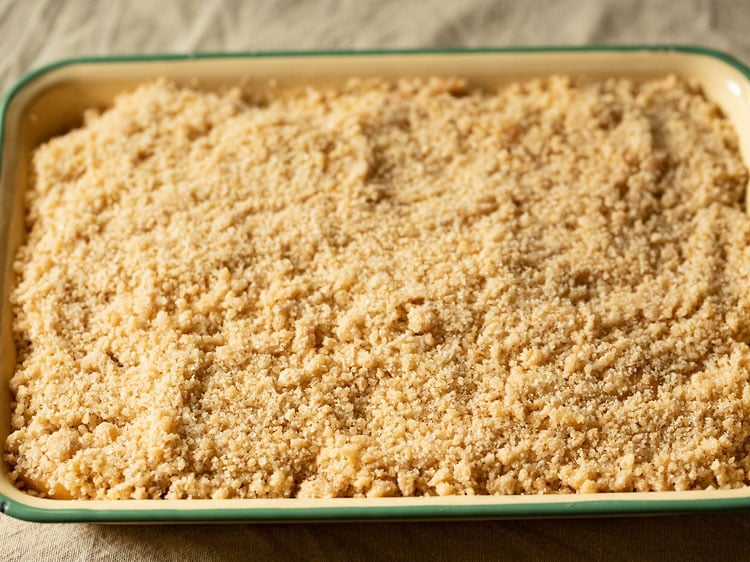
{"x":385,"y":288}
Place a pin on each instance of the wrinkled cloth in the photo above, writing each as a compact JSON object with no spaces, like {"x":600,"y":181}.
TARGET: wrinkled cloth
{"x":35,"y":32}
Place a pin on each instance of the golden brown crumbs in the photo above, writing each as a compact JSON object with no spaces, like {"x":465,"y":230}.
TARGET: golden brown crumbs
{"x":407,"y":288}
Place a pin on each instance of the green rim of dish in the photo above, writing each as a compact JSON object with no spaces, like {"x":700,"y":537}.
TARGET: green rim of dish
{"x":560,"y":506}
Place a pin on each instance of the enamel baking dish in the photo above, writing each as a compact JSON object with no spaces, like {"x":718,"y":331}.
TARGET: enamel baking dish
{"x":51,"y":100}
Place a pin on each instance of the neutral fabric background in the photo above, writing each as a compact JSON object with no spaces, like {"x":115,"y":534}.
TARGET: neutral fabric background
{"x":33,"y":32}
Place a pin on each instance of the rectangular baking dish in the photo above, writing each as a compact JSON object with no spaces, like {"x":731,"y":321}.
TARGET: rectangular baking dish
{"x":51,"y":100}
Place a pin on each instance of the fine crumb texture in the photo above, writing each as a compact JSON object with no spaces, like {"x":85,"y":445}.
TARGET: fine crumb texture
{"x":386,"y":288}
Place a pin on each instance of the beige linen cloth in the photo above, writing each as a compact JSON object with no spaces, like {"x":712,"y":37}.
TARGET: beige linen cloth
{"x":34,"y":32}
